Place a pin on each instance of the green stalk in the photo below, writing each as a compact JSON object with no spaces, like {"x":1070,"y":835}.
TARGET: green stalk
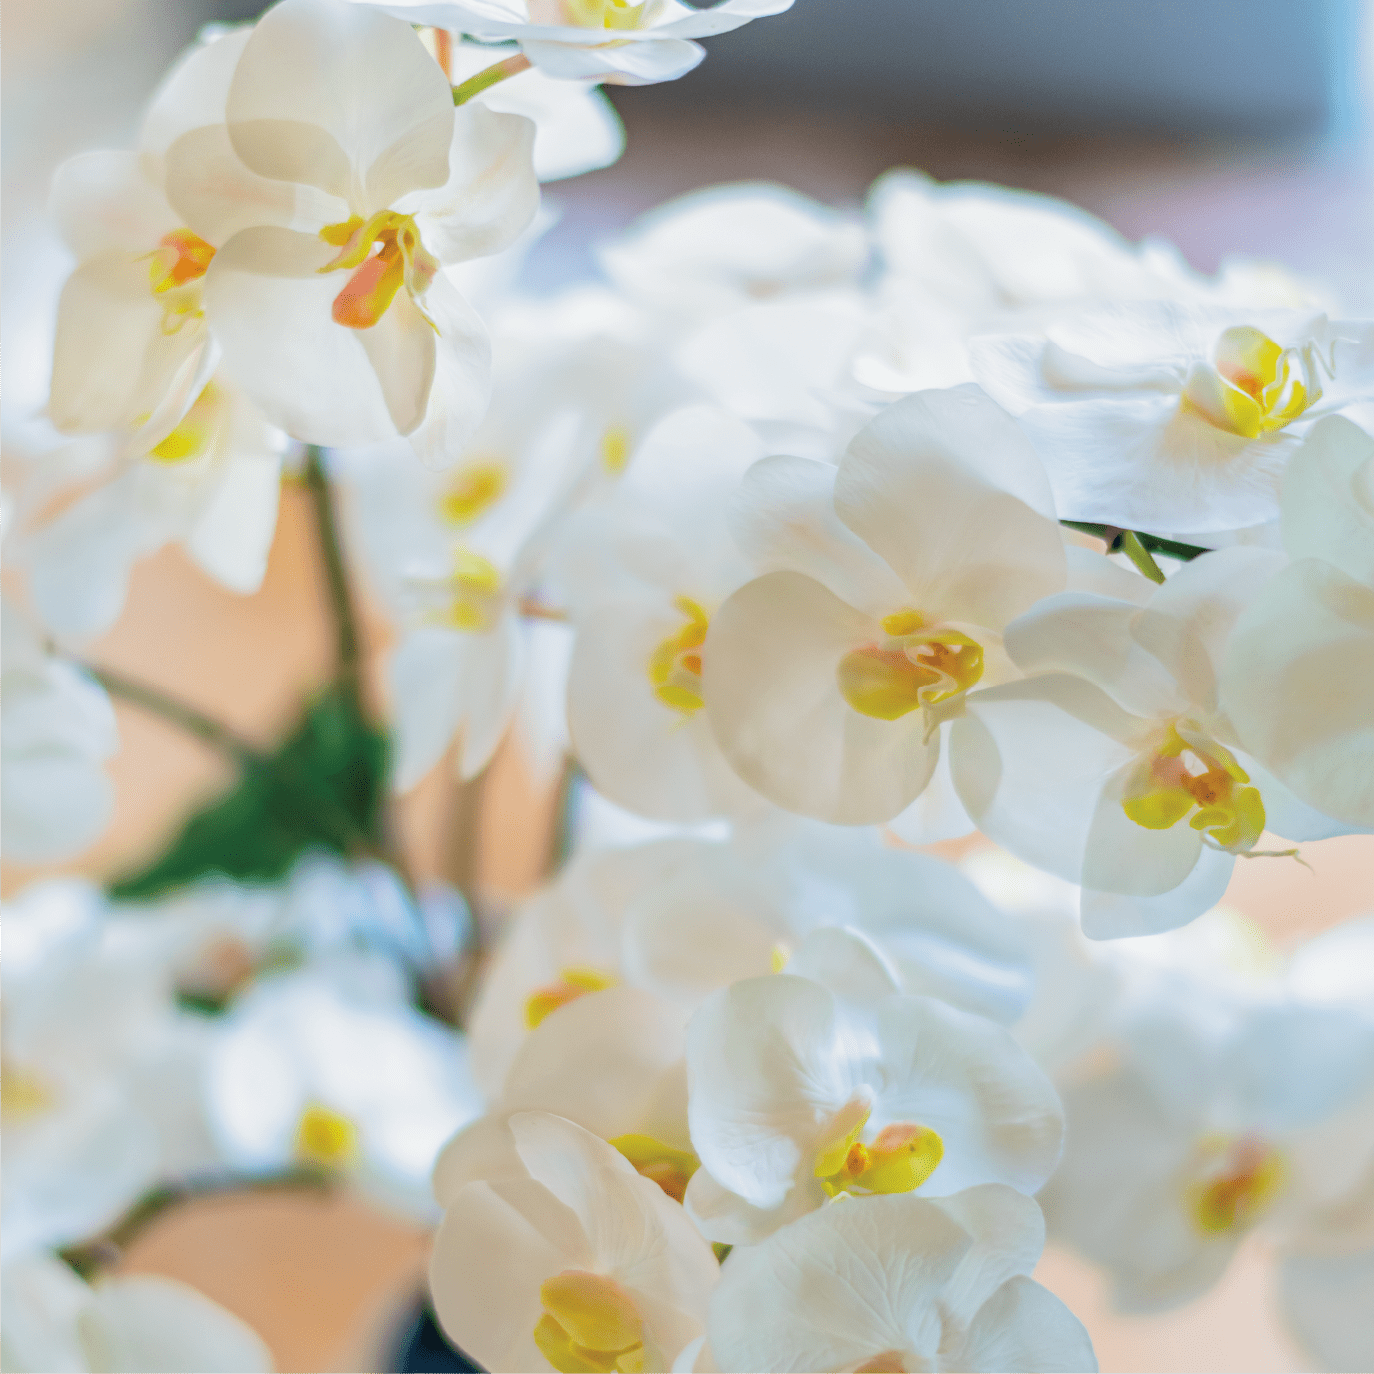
{"x":489,"y":76}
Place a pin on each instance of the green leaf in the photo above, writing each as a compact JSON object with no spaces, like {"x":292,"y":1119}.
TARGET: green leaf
{"x":323,"y":789}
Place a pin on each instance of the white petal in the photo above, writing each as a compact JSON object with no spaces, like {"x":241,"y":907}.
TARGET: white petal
{"x":1324,"y":1298}
{"x":341,"y":97}
{"x":1113,"y":915}
{"x":773,"y":651}
{"x":627,"y":64}
{"x":146,"y":1324}
{"x":1024,"y":1326}
{"x":461,"y":390}
{"x":233,"y":535}
{"x":103,"y":201}
{"x":1328,"y":499}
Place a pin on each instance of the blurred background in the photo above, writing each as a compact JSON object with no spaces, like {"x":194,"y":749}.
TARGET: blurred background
{"x":1226,"y":126}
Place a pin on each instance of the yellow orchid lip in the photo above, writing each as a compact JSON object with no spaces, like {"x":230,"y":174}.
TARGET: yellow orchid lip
{"x":375,"y":278}
{"x":1239,"y":1181}
{"x":325,"y":1138}
{"x":675,"y":664}
{"x":670,"y":1168}
{"x":180,"y":257}
{"x":897,"y":1160}
{"x":1164,"y":788}
{"x":1253,"y":386}
{"x":915,"y":666}
{"x":571,"y":983}
{"x":590,"y":1325}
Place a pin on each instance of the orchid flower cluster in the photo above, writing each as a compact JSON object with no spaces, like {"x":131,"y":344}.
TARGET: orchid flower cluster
{"x":801,"y":540}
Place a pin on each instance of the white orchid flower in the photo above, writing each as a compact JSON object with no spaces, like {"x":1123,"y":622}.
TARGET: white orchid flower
{"x":826,"y":679}
{"x":307,"y":1070}
{"x":58,"y":731}
{"x":98,"y":1101}
{"x":681,"y":918}
{"x":612,"y":1062}
{"x":341,"y":111}
{"x":142,"y":1324}
{"x":1295,"y":679}
{"x":625,"y":42}
{"x":576,"y":128}
{"x":133,"y":350}
{"x":715,"y":251}
{"x":943,"y":1284}
{"x":1173,"y":417}
{"x":805,"y":1087}
{"x":1114,"y":766}
{"x":644,"y":573}
{"x":563,"y":1257}
{"x":1164,"y":1174}
{"x":211,"y":483}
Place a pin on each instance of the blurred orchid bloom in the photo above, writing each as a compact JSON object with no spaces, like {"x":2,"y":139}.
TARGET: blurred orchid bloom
{"x":58,"y":730}
{"x":826,"y":1080}
{"x":1113,"y":765}
{"x":625,"y":42}
{"x":943,"y":1284}
{"x":140,"y":1322}
{"x":880,"y":606}
{"x":328,"y":295}
{"x":1296,"y":677}
{"x":562,"y":1256}
{"x":644,"y":572}
{"x":212,"y":483}
{"x":133,"y":349}
{"x":1173,"y":417}
{"x":329,"y":1066}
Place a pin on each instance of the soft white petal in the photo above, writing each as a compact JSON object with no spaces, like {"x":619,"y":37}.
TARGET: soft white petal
{"x":1328,"y":499}
{"x":103,"y":202}
{"x":1025,"y":1327}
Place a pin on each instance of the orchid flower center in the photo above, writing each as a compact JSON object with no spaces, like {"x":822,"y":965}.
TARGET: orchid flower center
{"x":23,"y":1094}
{"x":1237,"y":1181}
{"x":888,"y":1362}
{"x":590,"y":14}
{"x":1253,"y":387}
{"x":175,"y":268}
{"x":475,"y":587}
{"x":475,"y":488}
{"x":197,"y":429}
{"x":325,"y":1138}
{"x":400,"y":260}
{"x":898,"y":1159}
{"x":675,"y":665}
{"x":671,"y":1169}
{"x":914,"y":666}
{"x":570,"y":984}
{"x":1187,"y":773}
{"x":615,"y":449}
{"x":590,"y":1324}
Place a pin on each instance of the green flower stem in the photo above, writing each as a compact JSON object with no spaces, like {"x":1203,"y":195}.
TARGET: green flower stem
{"x":349,"y":647}
{"x":489,"y":76}
{"x":102,"y":1252}
{"x":1149,"y":544}
{"x":1129,"y":544}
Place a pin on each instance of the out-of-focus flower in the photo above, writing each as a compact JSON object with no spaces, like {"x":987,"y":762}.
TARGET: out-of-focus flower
{"x":1295,"y":680}
{"x":627,"y":42}
{"x":644,"y":573}
{"x":827,"y":678}
{"x":1165,"y":1173}
{"x":351,"y":1080}
{"x":576,"y":129}
{"x":887,"y":1283}
{"x":804,"y":1087}
{"x":211,"y":483}
{"x":99,"y":1084}
{"x":1172,"y":417}
{"x":340,"y":109}
{"x":58,"y":729}
{"x":561,"y":1256}
{"x":142,"y":1324}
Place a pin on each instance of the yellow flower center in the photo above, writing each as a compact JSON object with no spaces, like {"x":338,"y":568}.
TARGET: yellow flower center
{"x":197,"y":429}
{"x":591,"y":14}
{"x":570,"y":984}
{"x":23,"y":1094}
{"x":914,"y":666}
{"x":1189,"y":773}
{"x":476,"y":592}
{"x":615,"y":449}
{"x":400,"y":260}
{"x":1236,"y":1182}
{"x":325,"y":1138}
{"x":889,"y":1362}
{"x":590,"y":1325}
{"x":671,"y":1169}
{"x":475,"y":487}
{"x":175,"y":268}
{"x":1253,"y":386}
{"x":675,"y":665}
{"x":899,"y":1158}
